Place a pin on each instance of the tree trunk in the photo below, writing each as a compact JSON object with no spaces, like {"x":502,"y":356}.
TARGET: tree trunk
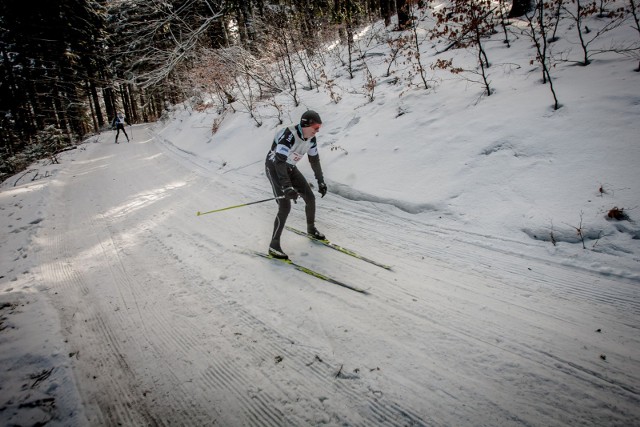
{"x":94,"y":119}
{"x":385,"y":11}
{"x":96,"y":103}
{"x":519,"y":8}
{"x":403,"y":14}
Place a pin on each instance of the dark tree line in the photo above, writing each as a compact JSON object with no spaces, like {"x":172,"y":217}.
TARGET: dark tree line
{"x":48,"y":71}
{"x":67,"y":66}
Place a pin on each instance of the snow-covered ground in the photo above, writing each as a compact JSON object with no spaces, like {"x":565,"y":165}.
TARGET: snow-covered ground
{"x":120,"y":306}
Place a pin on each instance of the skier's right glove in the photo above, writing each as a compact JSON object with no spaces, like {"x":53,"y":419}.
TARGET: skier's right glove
{"x":322,"y":188}
{"x":291,"y":193}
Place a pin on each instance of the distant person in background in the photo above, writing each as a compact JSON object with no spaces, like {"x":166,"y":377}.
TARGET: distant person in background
{"x":288,"y":148}
{"x":118,"y":124}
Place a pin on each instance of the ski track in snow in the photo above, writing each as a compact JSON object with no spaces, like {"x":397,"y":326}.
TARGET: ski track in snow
{"x":175,"y":338}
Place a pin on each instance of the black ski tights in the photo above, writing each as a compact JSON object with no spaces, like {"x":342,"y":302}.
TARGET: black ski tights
{"x":284,"y":205}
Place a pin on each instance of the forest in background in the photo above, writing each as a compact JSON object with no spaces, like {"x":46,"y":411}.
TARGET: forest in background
{"x":68,"y":66}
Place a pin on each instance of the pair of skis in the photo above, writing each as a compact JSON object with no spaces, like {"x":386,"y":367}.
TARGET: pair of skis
{"x":322,"y":276}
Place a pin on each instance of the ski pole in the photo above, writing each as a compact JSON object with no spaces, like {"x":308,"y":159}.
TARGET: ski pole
{"x":238,"y":206}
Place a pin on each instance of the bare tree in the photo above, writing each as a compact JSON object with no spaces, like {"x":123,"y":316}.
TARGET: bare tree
{"x":634,"y":9}
{"x":407,"y":45}
{"x":465,"y":24}
{"x":348,"y":14}
{"x":278,"y":47}
{"x":502,"y":7}
{"x":211,"y":75}
{"x":537,"y":32}
{"x":556,"y":20}
{"x":153,"y":39}
{"x":578,"y":11}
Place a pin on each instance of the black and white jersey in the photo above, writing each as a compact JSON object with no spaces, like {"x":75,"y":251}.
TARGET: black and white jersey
{"x":287,"y":149}
{"x":290,"y":144}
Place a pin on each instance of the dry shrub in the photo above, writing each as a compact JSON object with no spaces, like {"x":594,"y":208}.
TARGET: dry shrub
{"x":618,"y":214}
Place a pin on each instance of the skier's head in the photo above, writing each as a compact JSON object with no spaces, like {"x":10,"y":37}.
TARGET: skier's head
{"x":309,"y":118}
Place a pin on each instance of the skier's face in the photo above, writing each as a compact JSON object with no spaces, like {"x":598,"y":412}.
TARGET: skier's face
{"x":311,"y":131}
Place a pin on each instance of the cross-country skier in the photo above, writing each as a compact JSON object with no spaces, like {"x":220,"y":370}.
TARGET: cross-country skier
{"x":118,"y":124}
{"x":289,"y":146}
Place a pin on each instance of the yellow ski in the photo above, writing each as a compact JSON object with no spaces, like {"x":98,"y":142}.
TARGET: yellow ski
{"x":313,"y":273}
{"x":339,"y":248}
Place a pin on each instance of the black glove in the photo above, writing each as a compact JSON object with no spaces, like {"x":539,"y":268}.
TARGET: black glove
{"x":322,"y":188}
{"x":291,"y":193}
